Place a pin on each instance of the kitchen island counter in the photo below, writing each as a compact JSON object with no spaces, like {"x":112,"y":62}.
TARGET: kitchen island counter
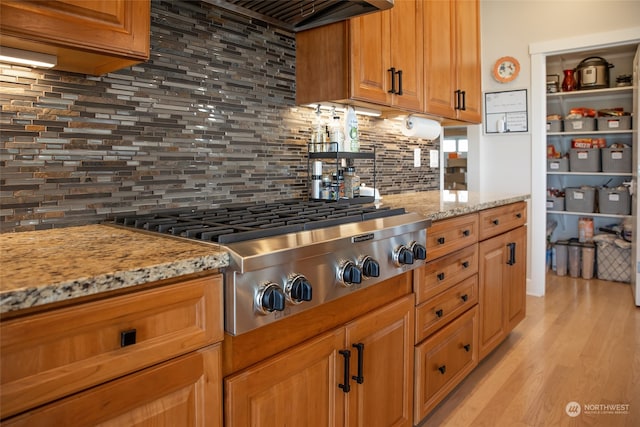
{"x":435,"y":205}
{"x":42,"y":267}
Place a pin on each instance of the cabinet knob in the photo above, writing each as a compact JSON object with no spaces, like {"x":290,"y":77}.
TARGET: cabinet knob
{"x":466,"y":233}
{"x":440,"y":276}
{"x":442,"y":369}
{"x":127,"y":337}
{"x":495,"y":222}
{"x":439,"y":313}
{"x":465,"y":297}
{"x":465,"y":264}
{"x":519,"y":215}
{"x":467,"y":347}
{"x":441,"y":240}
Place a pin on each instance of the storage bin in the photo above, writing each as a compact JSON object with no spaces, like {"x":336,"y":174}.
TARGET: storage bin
{"x":614,"y":262}
{"x":616,"y":159}
{"x":588,"y":260}
{"x":580,"y":199}
{"x":584,"y":124}
{"x":561,"y":258}
{"x":554,"y":126}
{"x":614,"y":123}
{"x":555,"y":203}
{"x":558,"y":165}
{"x":584,"y":160}
{"x":574,"y":259}
{"x":616,"y":201}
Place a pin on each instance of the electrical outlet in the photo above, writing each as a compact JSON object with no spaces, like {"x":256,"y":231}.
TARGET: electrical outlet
{"x":434,"y":155}
{"x":416,"y":157}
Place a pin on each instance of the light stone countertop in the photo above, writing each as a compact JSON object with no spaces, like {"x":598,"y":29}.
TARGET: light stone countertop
{"x":41,"y":267}
{"x":435,"y":205}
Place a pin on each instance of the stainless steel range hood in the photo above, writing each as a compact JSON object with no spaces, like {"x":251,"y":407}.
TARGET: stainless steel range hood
{"x":298,"y":15}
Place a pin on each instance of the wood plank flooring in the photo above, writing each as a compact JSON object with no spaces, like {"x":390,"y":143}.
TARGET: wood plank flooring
{"x":580,"y":343}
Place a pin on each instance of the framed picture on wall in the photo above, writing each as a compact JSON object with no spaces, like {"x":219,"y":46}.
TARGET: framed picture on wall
{"x":506,"y":112}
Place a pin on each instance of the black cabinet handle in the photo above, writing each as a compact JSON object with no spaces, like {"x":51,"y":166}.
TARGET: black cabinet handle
{"x":467,"y":347}
{"x":441,"y":240}
{"x":458,"y":94}
{"x":465,"y":264}
{"x":440,"y":276}
{"x":464,"y":100}
{"x":347,"y":358}
{"x":442,"y":369}
{"x":399,"y":73}
{"x":127,"y":337}
{"x":465,"y":297}
{"x":512,"y":253}
{"x":360,"y":377}
{"x":392,"y":70}
{"x":466,"y":233}
{"x":439,"y":313}
{"x":518,"y":215}
{"x":495,"y":222}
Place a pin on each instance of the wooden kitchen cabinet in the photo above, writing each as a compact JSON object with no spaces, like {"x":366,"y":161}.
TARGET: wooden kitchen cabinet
{"x":452,"y":59}
{"x":91,"y":37}
{"x":372,"y":59}
{"x":182,"y":392}
{"x":305,"y":385}
{"x":502,"y":290}
{"x":53,"y":354}
{"x":445,"y":359}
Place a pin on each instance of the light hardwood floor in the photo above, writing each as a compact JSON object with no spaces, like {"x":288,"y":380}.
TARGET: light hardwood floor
{"x":580,"y":343}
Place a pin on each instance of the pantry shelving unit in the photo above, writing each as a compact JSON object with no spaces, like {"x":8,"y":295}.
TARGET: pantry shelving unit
{"x":561,"y":103}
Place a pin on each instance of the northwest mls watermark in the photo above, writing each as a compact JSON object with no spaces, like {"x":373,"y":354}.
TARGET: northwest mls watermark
{"x":573,"y":409}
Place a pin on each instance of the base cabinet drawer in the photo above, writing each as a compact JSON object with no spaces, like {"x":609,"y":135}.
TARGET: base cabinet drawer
{"x":438,"y":311}
{"x":443,"y":360}
{"x":186,"y":391}
{"x":499,"y":220}
{"x":439,"y":275}
{"x":449,"y":235}
{"x":53,"y":354}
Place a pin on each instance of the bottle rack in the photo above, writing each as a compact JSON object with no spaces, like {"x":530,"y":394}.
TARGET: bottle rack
{"x":337,"y":157}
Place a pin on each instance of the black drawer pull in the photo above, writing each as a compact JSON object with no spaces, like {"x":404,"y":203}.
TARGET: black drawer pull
{"x":360,"y":377}
{"x":127,"y":337}
{"x":465,"y":297}
{"x":440,"y":276}
{"x":495,"y":222}
{"x":467,"y":347}
{"x":439,"y":313}
{"x":465,"y":264}
{"x":518,"y":215}
{"x":442,"y":369}
{"x":346,"y":387}
{"x":466,"y":233}
{"x":441,"y":240}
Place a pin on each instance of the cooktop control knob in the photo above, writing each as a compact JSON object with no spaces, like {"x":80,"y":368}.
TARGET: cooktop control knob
{"x":402,"y":256}
{"x":269,"y":298}
{"x":349,"y":273}
{"x":369,"y":266}
{"x":298,"y":289}
{"x":419,"y":251}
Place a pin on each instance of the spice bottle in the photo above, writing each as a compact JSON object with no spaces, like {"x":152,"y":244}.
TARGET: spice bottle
{"x":351,"y":183}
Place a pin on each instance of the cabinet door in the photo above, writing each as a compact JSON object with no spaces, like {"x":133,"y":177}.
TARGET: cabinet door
{"x":439,"y":58}
{"x":502,"y":287}
{"x":183,"y":392}
{"x":468,"y":59}
{"x":298,"y":387}
{"x":385,"y":395}
{"x":493,"y":256}
{"x":407,"y":53}
{"x":369,"y":46}
{"x":516,"y":289}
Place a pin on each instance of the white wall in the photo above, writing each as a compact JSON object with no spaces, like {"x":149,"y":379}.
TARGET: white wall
{"x":504,"y":162}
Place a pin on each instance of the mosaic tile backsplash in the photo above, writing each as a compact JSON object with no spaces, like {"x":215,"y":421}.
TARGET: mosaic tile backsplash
{"x":210,"y":119}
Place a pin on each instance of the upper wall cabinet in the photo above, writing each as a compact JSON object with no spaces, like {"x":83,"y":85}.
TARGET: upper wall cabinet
{"x":373,"y":59}
{"x":419,"y":56}
{"x":90,"y":37}
{"x":452,"y":60}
